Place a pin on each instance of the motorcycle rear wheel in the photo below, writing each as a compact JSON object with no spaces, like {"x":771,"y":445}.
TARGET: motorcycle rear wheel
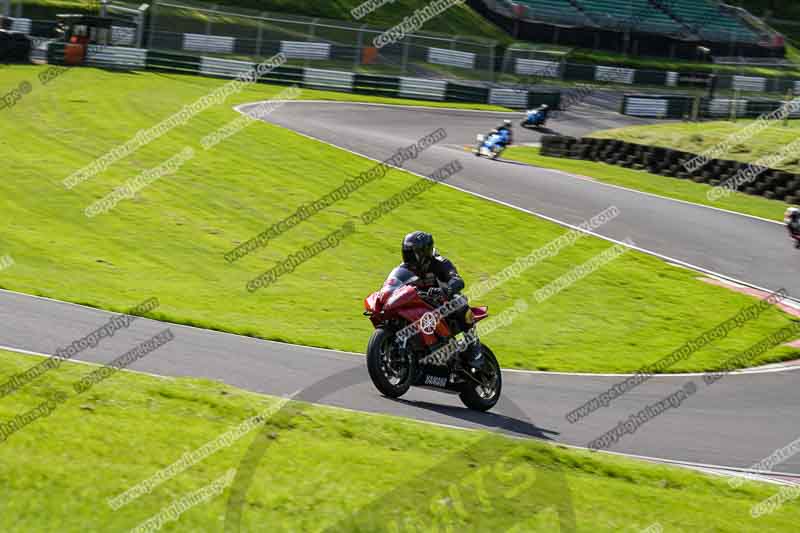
{"x":391,"y":372}
{"x":484,"y":397}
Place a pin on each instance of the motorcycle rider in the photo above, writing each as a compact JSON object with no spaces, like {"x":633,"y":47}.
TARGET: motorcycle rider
{"x":493,"y":138}
{"x":434,"y":272}
{"x":792,"y":220}
{"x":544,"y":109}
{"x":538,"y":116}
{"x":507,"y":132}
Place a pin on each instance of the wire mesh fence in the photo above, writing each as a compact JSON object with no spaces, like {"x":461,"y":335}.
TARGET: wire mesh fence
{"x":222,"y":31}
{"x":182,"y":25}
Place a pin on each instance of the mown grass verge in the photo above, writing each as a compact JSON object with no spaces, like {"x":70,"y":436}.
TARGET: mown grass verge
{"x":697,"y":137}
{"x":169,"y":240}
{"x":323,"y":468}
{"x":641,"y":180}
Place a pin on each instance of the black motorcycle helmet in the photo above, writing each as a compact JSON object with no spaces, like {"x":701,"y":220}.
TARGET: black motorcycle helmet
{"x":418,"y":250}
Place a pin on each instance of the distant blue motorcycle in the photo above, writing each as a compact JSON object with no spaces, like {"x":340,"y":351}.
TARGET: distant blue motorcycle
{"x":491,"y":145}
{"x":536,"y":118}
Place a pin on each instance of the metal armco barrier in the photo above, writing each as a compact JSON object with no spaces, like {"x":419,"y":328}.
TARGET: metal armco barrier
{"x":421,"y":88}
{"x":213,"y":66}
{"x":646,"y":107}
{"x":123,"y":36}
{"x":614,"y":74}
{"x":672,"y":79}
{"x":656,"y":106}
{"x":537,"y":67}
{"x":453,"y":58}
{"x":115,"y":57}
{"x":540,"y":68}
{"x":21,"y":25}
{"x":328,"y":79}
{"x":194,"y":42}
{"x":724,"y":107}
{"x":508,"y":97}
{"x":679,"y":107}
{"x":749,"y":83}
{"x":305,"y":50}
{"x":333,"y":80}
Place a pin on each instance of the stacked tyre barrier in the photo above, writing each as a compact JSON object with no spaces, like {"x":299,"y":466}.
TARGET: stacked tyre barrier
{"x":772,"y":183}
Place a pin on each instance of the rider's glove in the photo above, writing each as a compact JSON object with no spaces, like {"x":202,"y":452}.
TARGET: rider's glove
{"x":436,"y":294}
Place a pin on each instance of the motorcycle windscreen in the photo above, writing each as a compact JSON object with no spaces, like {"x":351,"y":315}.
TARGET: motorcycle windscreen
{"x":398,"y":277}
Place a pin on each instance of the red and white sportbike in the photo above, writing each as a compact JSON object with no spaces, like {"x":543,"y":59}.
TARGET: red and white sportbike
{"x":431,"y":356}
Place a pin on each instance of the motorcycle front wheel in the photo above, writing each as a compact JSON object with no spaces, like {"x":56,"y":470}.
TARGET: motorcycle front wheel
{"x":482,"y":390}
{"x":391,"y":371}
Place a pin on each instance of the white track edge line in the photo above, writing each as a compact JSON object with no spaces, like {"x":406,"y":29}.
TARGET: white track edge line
{"x":556,"y":221}
{"x":550,"y":219}
{"x":687,"y":464}
{"x":176,"y":324}
{"x":329,"y":351}
{"x":522,"y":209}
{"x":563,"y":172}
{"x":81,"y":361}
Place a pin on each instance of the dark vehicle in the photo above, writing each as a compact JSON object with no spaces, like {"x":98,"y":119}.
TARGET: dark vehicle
{"x":15,"y":47}
{"x":792,"y":220}
{"x":428,"y":355}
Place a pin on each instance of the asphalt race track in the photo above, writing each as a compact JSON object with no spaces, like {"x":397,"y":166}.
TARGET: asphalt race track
{"x":734,"y":422}
{"x":737,"y":246}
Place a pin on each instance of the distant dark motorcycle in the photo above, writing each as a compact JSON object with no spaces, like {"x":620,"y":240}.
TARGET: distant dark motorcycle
{"x":796,"y":237}
{"x":792,"y":220}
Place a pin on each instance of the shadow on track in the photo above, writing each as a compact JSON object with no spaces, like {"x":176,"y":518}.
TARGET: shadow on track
{"x":544,"y":131}
{"x":489,"y":420}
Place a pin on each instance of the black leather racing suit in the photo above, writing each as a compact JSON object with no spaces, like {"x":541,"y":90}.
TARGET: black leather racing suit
{"x":441,"y":273}
{"x":794,"y":229}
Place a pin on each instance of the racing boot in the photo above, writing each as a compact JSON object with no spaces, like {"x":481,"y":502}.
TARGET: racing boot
{"x":473,"y":355}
